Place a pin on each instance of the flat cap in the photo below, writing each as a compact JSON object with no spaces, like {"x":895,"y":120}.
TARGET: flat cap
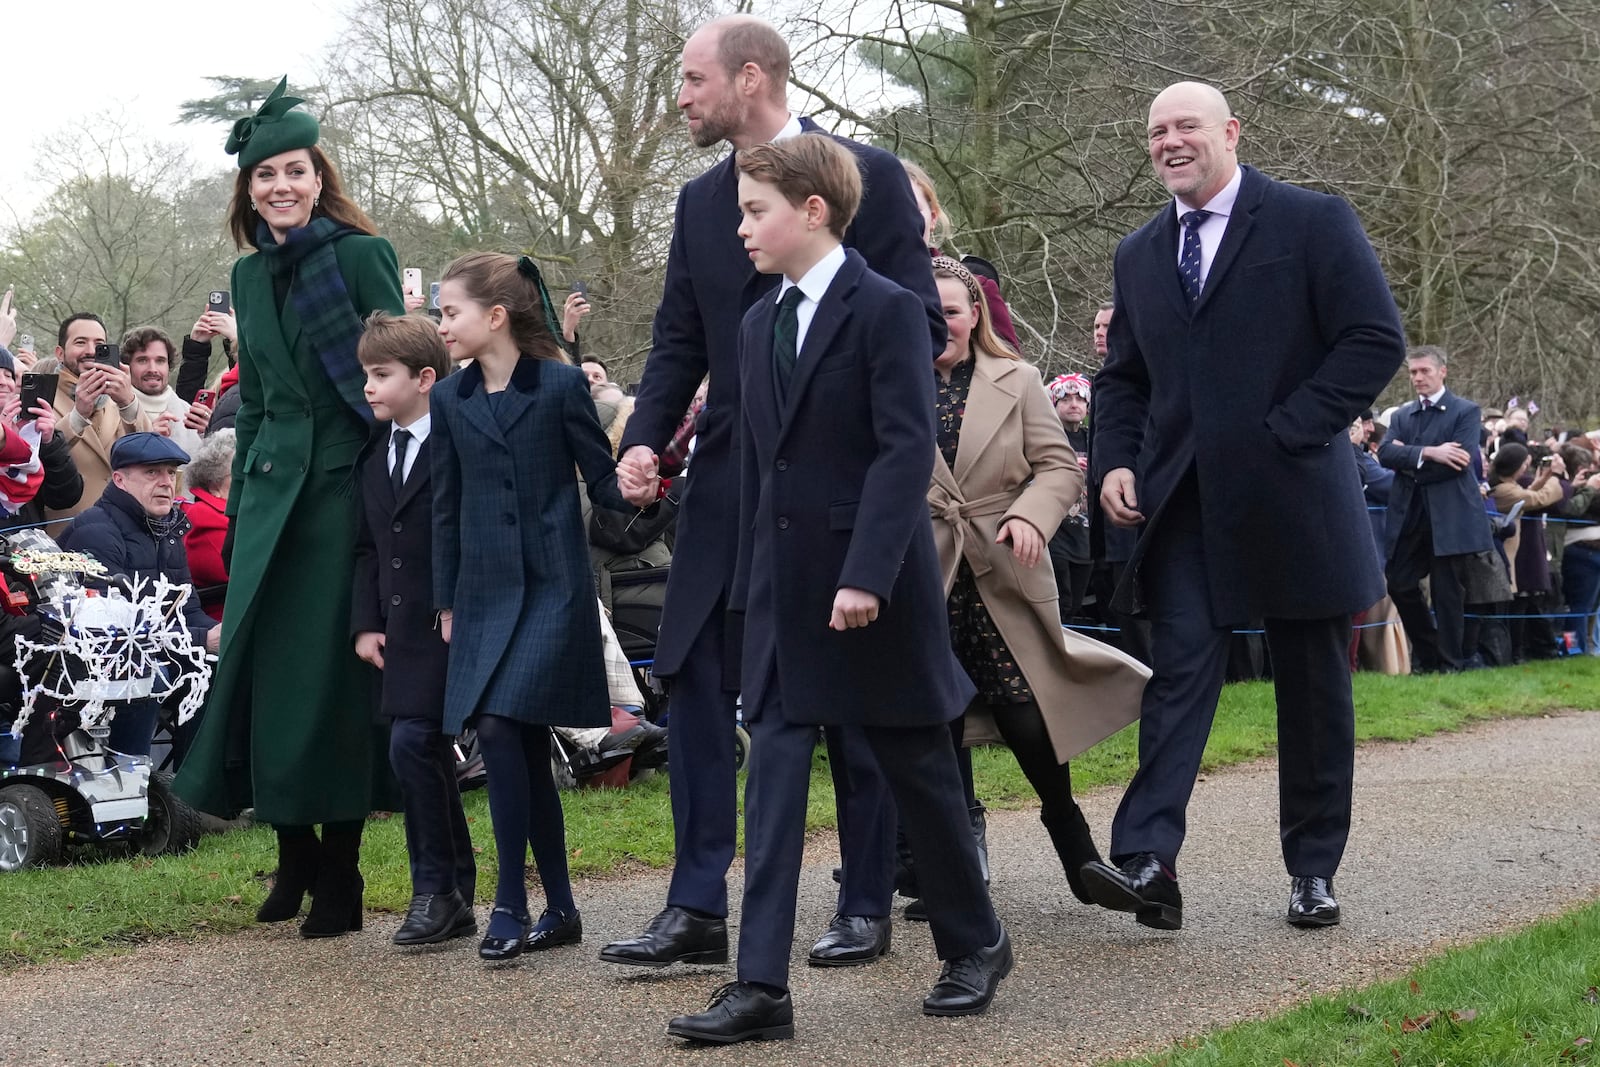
{"x":148,"y":449}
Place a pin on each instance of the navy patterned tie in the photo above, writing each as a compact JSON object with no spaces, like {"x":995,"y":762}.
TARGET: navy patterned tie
{"x":785,"y":333}
{"x":1189,"y":261}
{"x":397,"y":476}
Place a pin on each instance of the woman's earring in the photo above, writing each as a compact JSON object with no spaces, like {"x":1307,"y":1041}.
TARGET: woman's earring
{"x":253,"y":206}
{"x":316,"y":200}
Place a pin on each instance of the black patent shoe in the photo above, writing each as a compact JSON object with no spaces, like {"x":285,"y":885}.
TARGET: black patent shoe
{"x":739,"y":1011}
{"x":676,"y":935}
{"x":1142,"y":885}
{"x":967,"y":983}
{"x":851,"y":940}
{"x":500,"y":949}
{"x":1312,"y":903}
{"x":568,"y":930}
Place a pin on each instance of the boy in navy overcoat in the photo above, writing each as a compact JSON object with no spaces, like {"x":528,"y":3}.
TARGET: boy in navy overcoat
{"x":839,"y":582}
{"x":394,"y":624}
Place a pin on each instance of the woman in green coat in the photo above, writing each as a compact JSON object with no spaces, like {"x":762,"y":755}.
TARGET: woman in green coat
{"x":288,"y":728}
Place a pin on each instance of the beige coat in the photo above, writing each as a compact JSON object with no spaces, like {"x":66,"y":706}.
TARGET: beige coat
{"x":91,"y":447}
{"x":1014,"y":463}
{"x":1507,"y":494}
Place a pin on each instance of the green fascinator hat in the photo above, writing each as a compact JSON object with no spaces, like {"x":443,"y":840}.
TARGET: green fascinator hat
{"x":272,"y":129}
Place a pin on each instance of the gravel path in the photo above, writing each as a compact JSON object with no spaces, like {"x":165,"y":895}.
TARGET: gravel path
{"x":1456,"y":837}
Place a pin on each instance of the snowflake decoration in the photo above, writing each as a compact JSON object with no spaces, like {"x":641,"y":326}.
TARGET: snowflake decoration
{"x":114,"y":649}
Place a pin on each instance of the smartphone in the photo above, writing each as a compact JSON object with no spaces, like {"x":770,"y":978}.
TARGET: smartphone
{"x":412,"y":281}
{"x":108,"y":353}
{"x":37,"y":387}
{"x":25,"y":343}
{"x":1546,"y":461}
{"x":433,"y":295}
{"x":208,"y":397}
{"x":581,"y":288}
{"x":219,"y":301}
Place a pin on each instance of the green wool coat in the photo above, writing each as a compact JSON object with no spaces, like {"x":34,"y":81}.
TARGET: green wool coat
{"x":288,"y":727}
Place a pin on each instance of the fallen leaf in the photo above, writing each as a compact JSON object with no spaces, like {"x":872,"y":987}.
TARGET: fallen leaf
{"x":235,"y":899}
{"x":1579,"y":1042}
{"x":1421,"y":1022}
{"x":1396,"y":1054}
{"x":1465,"y":1016}
{"x":1415,"y":988}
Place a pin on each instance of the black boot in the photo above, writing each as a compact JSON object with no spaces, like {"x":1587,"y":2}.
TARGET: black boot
{"x":336,"y":904}
{"x":1069,"y":832}
{"x":980,"y":834}
{"x":299,"y":857}
{"x":905,"y":869}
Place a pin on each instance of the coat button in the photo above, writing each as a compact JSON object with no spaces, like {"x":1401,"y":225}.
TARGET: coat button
{"x":783,"y":465}
{"x":270,"y":415}
{"x":783,"y":522}
{"x":397,"y":527}
{"x":395,"y":563}
{"x":395,"y":600}
{"x":511,"y":520}
{"x":266,"y":468}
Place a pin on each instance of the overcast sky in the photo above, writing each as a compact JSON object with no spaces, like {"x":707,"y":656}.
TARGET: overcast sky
{"x":69,"y":60}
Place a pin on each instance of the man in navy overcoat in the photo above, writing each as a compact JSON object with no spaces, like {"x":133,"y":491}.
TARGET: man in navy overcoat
{"x":735,"y":70}
{"x":1436,"y":519}
{"x":1252,"y":325}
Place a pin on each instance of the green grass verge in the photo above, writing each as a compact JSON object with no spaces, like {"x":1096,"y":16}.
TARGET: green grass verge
{"x":1520,"y":1000}
{"x":97,"y":904}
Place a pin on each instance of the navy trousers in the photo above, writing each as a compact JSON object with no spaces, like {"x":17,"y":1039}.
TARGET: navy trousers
{"x":704,"y":788}
{"x":919,"y":769}
{"x":1316,"y":712}
{"x":437,"y":841}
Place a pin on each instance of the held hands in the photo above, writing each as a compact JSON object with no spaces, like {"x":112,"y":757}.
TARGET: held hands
{"x":853,"y":608}
{"x":639,"y":476}
{"x":1450,"y":454}
{"x":1026,"y":543}
{"x":100,"y":380}
{"x":1118,"y":500}
{"x":369,"y":646}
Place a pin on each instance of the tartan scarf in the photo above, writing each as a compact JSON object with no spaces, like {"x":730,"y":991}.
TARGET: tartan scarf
{"x":319,"y":296}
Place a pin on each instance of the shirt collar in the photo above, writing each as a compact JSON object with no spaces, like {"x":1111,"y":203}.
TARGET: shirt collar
{"x":790,"y":128}
{"x":818,"y":278}
{"x":1222,"y":203}
{"x":1433,"y":401}
{"x":418,"y":430}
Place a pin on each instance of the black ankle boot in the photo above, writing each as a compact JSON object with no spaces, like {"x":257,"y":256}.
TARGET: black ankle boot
{"x":336,"y":904}
{"x":299,"y":857}
{"x":1069,"y":832}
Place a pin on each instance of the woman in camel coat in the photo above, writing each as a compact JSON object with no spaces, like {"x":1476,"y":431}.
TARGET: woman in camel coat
{"x":1002,"y":485}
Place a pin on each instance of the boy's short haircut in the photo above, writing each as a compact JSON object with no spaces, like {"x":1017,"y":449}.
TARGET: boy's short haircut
{"x":812,"y":164}
{"x":412,"y":341}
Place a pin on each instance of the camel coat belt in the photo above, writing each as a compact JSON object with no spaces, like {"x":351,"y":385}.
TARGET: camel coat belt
{"x":1014,"y":462}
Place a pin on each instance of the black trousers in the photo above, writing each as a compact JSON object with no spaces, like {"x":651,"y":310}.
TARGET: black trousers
{"x":1439,"y":638}
{"x":1316,"y":712}
{"x":437,"y":841}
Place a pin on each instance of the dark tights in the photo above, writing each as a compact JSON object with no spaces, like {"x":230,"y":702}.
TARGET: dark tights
{"x":526,"y":809}
{"x":1023,"y":730}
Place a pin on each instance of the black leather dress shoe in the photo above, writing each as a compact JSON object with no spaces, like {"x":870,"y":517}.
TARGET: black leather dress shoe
{"x":1142,"y":885}
{"x":500,"y":949}
{"x":1312,"y":903}
{"x":739,"y":1011}
{"x":967,"y":983}
{"x":435,"y":917}
{"x":676,"y":935}
{"x":567,"y":930}
{"x":851,"y":940}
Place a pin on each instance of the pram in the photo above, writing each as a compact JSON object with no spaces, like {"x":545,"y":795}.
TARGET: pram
{"x":74,"y":655}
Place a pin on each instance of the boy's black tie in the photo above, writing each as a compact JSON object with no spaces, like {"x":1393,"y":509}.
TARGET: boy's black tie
{"x":785,"y":332}
{"x":397,"y":476}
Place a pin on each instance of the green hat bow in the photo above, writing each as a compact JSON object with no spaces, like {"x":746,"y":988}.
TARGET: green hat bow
{"x":274,"y":128}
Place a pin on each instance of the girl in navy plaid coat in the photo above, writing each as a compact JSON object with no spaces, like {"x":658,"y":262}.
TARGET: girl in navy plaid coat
{"x":511,"y":570}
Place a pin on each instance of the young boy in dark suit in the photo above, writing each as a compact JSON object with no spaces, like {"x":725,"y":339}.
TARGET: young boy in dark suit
{"x":394,"y":625}
{"x":839,"y":583}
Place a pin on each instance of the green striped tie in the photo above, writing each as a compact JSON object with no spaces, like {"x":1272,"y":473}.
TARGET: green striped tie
{"x":785,"y":331}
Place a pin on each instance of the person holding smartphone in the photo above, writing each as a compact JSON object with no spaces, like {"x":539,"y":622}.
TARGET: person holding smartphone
{"x":25,"y":490}
{"x":95,"y":403}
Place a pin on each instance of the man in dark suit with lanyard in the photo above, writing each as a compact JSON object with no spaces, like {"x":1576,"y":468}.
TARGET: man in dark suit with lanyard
{"x":1436,"y":519}
{"x":1263,"y":307}
{"x":735,"y":73}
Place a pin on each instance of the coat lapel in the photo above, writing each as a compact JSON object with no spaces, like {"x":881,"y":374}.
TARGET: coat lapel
{"x":475,"y":409}
{"x":1162,"y":248}
{"x":420,"y":469}
{"x":990,"y":399}
{"x":760,"y":389}
{"x":1252,"y":187}
{"x":525,"y":378}
{"x":830,"y":316}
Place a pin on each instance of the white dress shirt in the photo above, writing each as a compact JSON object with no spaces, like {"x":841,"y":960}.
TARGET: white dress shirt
{"x":813,"y":285}
{"x":1212,"y":229}
{"x":419,"y":433}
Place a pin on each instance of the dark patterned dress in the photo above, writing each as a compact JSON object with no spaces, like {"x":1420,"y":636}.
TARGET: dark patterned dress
{"x":973,"y":634}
